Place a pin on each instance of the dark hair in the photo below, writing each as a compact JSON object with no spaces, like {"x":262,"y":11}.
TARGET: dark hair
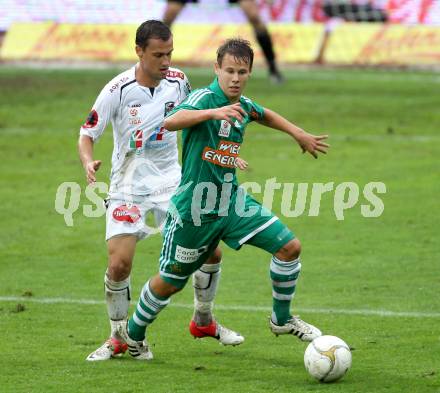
{"x":237,"y":47}
{"x":152,"y":29}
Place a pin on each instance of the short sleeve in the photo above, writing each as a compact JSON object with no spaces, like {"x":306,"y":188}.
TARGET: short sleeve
{"x":101,"y":113}
{"x":256,"y":111}
{"x":177,"y":76}
{"x":185,"y":88}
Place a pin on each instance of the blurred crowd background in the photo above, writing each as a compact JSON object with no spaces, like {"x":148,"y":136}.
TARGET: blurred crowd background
{"x":336,"y":32}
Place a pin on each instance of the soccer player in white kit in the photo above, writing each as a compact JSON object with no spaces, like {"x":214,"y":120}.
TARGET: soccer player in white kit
{"x":145,"y":173}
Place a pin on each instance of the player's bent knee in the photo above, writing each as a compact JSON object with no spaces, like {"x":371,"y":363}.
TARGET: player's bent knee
{"x":162,"y":288}
{"x":215,"y":257}
{"x":120,"y":256}
{"x":118,"y":272}
{"x":290,"y":251}
{"x":119,"y":268}
{"x":254,"y":19}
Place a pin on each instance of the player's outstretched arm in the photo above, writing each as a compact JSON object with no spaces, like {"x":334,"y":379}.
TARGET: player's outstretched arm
{"x":85,"y":150}
{"x":187,"y":118}
{"x":309,"y":143}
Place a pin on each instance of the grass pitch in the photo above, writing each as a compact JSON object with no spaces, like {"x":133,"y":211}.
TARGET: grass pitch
{"x":372,"y":281}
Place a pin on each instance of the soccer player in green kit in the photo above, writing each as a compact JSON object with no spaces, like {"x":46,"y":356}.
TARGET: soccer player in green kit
{"x":213,"y":120}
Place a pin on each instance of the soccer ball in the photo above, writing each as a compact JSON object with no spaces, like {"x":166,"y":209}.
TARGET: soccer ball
{"x":327,"y":358}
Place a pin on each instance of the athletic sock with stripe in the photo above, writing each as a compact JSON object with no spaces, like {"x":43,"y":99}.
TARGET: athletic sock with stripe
{"x":147,"y":309}
{"x":284,"y":276}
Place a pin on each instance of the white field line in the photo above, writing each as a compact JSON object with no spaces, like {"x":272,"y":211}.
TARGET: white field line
{"x":245,"y":308}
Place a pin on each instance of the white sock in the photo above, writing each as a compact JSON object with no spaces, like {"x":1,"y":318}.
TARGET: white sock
{"x":117,"y":297}
{"x":205,"y":283}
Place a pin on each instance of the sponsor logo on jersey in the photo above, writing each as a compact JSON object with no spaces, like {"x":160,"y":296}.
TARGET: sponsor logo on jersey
{"x":135,"y":106}
{"x":225,"y":155}
{"x":237,"y":124}
{"x":189,"y":255}
{"x":135,"y":121}
{"x":133,"y":112}
{"x":254,"y":114}
{"x":92,"y":119}
{"x":119,"y":83}
{"x":124,"y":213}
{"x":168,"y":107}
{"x":136,"y":139}
{"x":158,"y":134}
{"x":225,"y":128}
{"x":175,"y":74}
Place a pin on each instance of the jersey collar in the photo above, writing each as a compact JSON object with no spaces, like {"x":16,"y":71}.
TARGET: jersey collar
{"x":157,"y":88}
{"x":215,"y":87}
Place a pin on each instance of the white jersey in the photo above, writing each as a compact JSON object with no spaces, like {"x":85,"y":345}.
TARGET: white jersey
{"x":145,"y":156}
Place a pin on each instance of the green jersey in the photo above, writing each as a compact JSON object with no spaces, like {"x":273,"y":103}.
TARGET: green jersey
{"x":209,"y":153}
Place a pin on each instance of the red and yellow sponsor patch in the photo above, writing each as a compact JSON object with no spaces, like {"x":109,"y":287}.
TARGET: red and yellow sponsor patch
{"x":124,"y":213}
{"x":225,"y":155}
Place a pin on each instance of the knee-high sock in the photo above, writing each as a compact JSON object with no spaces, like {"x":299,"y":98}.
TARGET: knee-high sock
{"x":147,"y":309}
{"x":205,"y":282}
{"x":265,"y":41}
{"x":284,"y":276}
{"x":117,"y":297}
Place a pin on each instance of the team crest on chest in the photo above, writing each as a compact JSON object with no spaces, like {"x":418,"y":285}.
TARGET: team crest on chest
{"x":168,"y":107}
{"x":225,"y":129}
{"x":134,"y":115}
{"x":136,"y":140}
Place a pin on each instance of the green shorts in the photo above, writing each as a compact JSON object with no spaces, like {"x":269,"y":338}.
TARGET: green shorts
{"x":187,"y":246}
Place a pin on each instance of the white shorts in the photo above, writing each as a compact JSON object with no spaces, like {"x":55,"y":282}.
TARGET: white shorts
{"x":130,"y":217}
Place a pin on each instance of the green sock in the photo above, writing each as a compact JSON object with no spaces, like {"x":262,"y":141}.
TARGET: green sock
{"x":147,"y":309}
{"x":284,"y":276}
